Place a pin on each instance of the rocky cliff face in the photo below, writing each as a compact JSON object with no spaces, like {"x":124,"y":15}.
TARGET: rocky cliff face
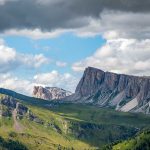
{"x":106,"y":89}
{"x":11,"y":107}
{"x":9,"y":104}
{"x":50,"y":93}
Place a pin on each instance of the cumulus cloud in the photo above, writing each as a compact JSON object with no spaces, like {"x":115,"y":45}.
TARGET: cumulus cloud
{"x":55,"y":79}
{"x":10,"y":59}
{"x":109,"y":24}
{"x":117,"y":24}
{"x":127,"y":48}
{"x":12,"y":82}
{"x":32,"y":61}
{"x":51,"y":79}
{"x":36,"y":33}
{"x":120,"y":55}
{"x":39,"y":18}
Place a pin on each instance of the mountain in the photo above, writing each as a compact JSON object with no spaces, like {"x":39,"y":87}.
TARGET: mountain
{"x":106,"y":89}
{"x":88,"y":119}
{"x":28,"y":123}
{"x":50,"y":93}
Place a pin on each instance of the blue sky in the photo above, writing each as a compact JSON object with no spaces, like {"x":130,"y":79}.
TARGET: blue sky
{"x":67,"y":48}
{"x":60,"y":52}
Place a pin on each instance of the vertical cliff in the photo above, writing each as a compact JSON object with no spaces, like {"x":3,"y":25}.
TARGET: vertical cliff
{"x":122,"y":92}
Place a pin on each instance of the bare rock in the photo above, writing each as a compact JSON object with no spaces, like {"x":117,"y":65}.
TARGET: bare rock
{"x":50,"y":93}
{"x":107,"y":89}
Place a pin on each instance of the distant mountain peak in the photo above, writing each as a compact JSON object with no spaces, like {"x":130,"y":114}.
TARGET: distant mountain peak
{"x":50,"y":93}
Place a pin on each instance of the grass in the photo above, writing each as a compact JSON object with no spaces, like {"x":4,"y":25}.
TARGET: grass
{"x":71,"y":126}
{"x":81,"y":126}
{"x":140,"y":142}
{"x":97,"y":115}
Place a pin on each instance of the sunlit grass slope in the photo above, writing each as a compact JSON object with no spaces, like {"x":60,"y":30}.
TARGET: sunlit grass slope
{"x":70,"y":126}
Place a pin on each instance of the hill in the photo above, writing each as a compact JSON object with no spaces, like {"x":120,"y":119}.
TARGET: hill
{"x":139,"y":142}
{"x":35,"y":123}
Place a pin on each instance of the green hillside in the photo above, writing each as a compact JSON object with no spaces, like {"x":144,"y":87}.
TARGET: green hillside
{"x":140,"y":142}
{"x":38,"y":124}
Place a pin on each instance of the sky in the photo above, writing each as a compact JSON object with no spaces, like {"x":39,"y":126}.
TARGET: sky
{"x":51,"y":42}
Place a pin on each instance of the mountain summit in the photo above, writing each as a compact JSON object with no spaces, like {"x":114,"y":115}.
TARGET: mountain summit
{"x":50,"y":93}
{"x":119,"y":91}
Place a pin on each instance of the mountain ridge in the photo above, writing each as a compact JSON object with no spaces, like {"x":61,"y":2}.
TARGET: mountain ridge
{"x":49,"y":124}
{"x":50,"y":93}
{"x":119,"y":91}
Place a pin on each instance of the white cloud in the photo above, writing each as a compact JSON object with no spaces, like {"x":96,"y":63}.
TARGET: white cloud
{"x":2,"y":2}
{"x":110,"y":24}
{"x":36,"y":33}
{"x":127,"y":48}
{"x":10,"y":59}
{"x":117,"y":24}
{"x":7,"y":58}
{"x":54,"y":78}
{"x":51,"y":79}
{"x":33,"y":61}
{"x":61,"y":64}
{"x":120,"y":55}
{"x":45,"y":78}
{"x":11,"y":82}
{"x":6,"y":54}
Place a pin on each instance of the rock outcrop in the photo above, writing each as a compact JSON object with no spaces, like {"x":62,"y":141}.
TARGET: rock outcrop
{"x":11,"y":107}
{"x":119,"y":91}
{"x":50,"y":93}
{"x":9,"y":104}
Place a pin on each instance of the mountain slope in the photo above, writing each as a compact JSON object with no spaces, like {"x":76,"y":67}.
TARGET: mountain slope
{"x":119,"y":91}
{"x":63,"y":126}
{"x":140,"y":142}
{"x":50,"y":93}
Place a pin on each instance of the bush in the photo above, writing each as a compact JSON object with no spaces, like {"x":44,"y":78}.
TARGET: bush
{"x":13,"y":134}
{"x":11,"y":145}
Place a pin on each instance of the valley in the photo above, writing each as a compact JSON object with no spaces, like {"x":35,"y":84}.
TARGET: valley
{"x":74,"y":75}
{"x":52,"y":125}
